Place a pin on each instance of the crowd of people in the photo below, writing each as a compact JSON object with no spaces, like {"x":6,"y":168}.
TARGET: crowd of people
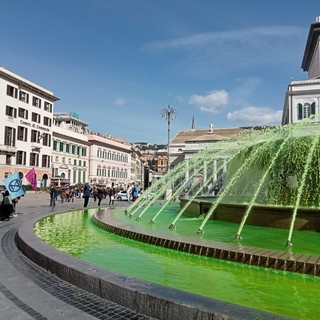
{"x":69,"y":194}
{"x":97,"y":193}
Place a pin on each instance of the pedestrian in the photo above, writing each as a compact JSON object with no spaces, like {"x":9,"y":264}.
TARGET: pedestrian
{"x":135,"y":192}
{"x":100,"y":195}
{"x":7,"y":207}
{"x":95,"y":194}
{"x":86,"y":195}
{"x":112,"y":192}
{"x":128,"y":191}
{"x":53,"y":196}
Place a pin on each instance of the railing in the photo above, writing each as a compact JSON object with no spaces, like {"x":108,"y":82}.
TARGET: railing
{"x":7,"y":149}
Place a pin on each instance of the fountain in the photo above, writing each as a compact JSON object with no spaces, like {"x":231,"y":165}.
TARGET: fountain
{"x":250,"y":199}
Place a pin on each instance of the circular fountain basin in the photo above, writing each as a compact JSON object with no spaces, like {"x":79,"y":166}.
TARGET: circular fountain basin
{"x":134,"y":274}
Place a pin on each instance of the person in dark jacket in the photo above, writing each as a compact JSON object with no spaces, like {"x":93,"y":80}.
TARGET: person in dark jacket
{"x":7,"y":206}
{"x":86,"y":195}
{"x":100,"y":195}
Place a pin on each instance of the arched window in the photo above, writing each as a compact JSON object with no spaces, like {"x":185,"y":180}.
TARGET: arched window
{"x":306,"y":110}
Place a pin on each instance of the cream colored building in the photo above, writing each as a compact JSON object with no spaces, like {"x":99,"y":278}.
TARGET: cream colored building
{"x":109,"y":160}
{"x":26,"y":116}
{"x":302,"y":98}
{"x":70,"y":150}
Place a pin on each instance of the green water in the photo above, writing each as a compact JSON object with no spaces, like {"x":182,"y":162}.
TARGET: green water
{"x":283,"y":293}
{"x":303,"y":241}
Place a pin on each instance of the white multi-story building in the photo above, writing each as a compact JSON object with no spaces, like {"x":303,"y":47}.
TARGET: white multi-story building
{"x":302,"y":98}
{"x":109,"y":160}
{"x":70,"y":150}
{"x":26,"y":113}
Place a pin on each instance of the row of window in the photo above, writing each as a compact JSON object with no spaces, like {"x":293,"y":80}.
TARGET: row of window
{"x":69,"y":148}
{"x":22,"y":135}
{"x":113,"y":173}
{"x":21,"y":158}
{"x":23,"y":113}
{"x":75,"y":161}
{"x":78,"y":176}
{"x":24,"y":97}
{"x":112,"y":156}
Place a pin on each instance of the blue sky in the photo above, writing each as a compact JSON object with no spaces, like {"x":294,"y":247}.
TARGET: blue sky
{"x":118,"y":63}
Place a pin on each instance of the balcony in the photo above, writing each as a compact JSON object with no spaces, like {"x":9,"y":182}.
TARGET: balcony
{"x":35,"y":146}
{"x":10,"y":150}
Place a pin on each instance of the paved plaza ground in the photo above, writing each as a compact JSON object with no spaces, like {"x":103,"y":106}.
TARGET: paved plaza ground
{"x":29,"y":292}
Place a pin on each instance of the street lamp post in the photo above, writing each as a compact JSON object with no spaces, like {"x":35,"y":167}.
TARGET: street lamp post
{"x":169,"y":114}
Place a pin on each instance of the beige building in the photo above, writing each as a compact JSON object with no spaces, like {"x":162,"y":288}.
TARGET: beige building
{"x":188,"y":142}
{"x":26,"y":116}
{"x":109,"y":160}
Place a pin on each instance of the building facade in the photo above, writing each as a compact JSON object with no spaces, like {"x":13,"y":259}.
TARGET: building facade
{"x":109,"y":161}
{"x":302,"y":98}
{"x":26,"y":117}
{"x":70,"y":150}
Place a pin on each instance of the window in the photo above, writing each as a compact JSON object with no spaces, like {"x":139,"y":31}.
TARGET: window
{"x":46,"y":139}
{"x":22,"y":133}
{"x":12,"y":91}
{"x":84,"y":163}
{"x":21,"y":157}
{"x":23,"y":113}
{"x":9,"y":136}
{"x":24,"y":97}
{"x":74,"y":162}
{"x":47,"y":121}
{"x":47,"y":106}
{"x":84,"y":152}
{"x":35,"y":117}
{"x":67,"y":147}
{"x":55,"y":145}
{"x":78,"y":151}
{"x":61,"y":148}
{"x":11,"y":112}
{"x":36,"y":102}
{"x":35,"y":136}
{"x":306,"y":110}
{"x":45,"y":163}
{"x":73,"y":149}
{"x":34,"y":159}
{"x":63,"y":160}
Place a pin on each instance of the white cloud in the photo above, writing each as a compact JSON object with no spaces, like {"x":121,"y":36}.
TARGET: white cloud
{"x":250,"y":36}
{"x":256,"y":116}
{"x":120,"y":102}
{"x":213,"y":102}
{"x":239,"y":48}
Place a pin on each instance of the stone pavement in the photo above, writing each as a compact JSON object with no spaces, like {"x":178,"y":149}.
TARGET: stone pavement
{"x":29,"y":292}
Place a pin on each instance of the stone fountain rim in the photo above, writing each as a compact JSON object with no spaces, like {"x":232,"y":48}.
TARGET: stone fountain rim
{"x":143,"y":296}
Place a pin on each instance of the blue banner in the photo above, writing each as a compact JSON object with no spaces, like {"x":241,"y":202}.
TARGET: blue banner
{"x":13,"y":185}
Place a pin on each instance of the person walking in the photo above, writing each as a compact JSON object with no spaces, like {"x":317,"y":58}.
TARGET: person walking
{"x":53,"y":196}
{"x":100,"y":195}
{"x":112,"y":192}
{"x":86,"y":195}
